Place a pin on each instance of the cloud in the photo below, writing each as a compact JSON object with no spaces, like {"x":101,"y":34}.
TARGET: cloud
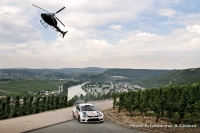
{"x":115,"y":27}
{"x":94,"y":13}
{"x":22,"y":42}
{"x":167,"y":3}
{"x":185,"y":19}
{"x":167,"y":12}
{"x":194,"y":28}
{"x":15,"y":26}
{"x":137,"y":50}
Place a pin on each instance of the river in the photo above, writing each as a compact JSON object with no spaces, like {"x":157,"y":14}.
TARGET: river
{"x":75,"y":90}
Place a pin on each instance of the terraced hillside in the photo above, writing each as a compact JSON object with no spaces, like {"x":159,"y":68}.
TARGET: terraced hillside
{"x":175,"y":77}
{"x":117,"y":74}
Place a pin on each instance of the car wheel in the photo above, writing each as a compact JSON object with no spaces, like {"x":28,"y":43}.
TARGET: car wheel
{"x":79,"y":119}
{"x":73,"y":114}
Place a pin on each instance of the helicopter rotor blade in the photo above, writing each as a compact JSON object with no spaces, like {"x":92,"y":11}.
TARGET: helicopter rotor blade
{"x":59,"y":20}
{"x":60,"y":10}
{"x":40,"y":8}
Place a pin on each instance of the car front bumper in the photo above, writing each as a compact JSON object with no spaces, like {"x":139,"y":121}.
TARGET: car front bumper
{"x":92,"y":119}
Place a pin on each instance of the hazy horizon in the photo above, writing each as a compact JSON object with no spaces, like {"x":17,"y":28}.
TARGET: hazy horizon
{"x":97,"y":67}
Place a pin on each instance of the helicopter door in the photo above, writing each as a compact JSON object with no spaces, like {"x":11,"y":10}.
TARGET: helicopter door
{"x":44,"y":23}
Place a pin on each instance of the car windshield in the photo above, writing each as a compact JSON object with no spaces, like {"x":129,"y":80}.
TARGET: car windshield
{"x":88,"y":108}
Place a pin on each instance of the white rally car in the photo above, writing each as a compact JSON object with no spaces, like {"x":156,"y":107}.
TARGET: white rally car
{"x":86,"y":112}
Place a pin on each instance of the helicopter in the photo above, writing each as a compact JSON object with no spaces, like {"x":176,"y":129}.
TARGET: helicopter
{"x":50,"y":19}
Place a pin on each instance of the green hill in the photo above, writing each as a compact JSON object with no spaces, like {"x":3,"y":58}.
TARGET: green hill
{"x":58,"y":73}
{"x":118,"y":74}
{"x":27,"y":73}
{"x":175,"y":77}
{"x":80,"y":70}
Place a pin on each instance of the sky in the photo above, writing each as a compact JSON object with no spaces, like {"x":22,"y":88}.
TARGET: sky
{"x":138,"y":34}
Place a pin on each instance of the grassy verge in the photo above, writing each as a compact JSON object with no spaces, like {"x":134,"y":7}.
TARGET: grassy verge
{"x":22,"y":86}
{"x":148,"y":123}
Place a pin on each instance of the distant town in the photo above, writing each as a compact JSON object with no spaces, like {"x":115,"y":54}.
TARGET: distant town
{"x":43,"y":92}
{"x":97,"y":88}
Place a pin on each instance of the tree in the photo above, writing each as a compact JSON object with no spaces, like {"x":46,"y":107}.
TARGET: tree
{"x":114,"y":99}
{"x":30,"y":105}
{"x":65,"y":101}
{"x":43,"y":106}
{"x":183,"y":104}
{"x":52,"y":103}
{"x":121,"y":101}
{"x":48,"y":103}
{"x":8,"y":107}
{"x":109,"y":94}
{"x":156,"y":104}
{"x":62,"y":101}
{"x":37,"y":105}
{"x":81,"y":96}
{"x":133,"y":102}
{"x":86,"y":97}
{"x":17,"y":110}
{"x":130,"y":102}
{"x":192,"y":110}
{"x":139,"y":101}
{"x":57,"y":102}
{"x":171,"y":104}
{"x":3,"y":110}
{"x":163,"y":100}
{"x":24,"y":106}
{"x":144,"y":101}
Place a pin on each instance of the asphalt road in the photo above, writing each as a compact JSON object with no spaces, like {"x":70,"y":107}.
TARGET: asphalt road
{"x":73,"y":126}
{"x":61,"y":121}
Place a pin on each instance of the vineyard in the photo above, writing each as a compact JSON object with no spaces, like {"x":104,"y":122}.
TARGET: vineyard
{"x":22,"y":105}
{"x":31,"y":105}
{"x":179,"y":104}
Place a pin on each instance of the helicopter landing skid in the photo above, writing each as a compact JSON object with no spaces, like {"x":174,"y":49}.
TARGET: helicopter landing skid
{"x":44,"y":23}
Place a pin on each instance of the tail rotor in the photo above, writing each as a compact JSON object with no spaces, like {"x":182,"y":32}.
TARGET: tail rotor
{"x":64,"y":33}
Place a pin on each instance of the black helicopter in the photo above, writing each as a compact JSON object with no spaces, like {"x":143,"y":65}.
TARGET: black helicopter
{"x":50,"y":19}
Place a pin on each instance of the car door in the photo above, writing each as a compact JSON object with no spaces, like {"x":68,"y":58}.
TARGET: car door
{"x":77,"y":111}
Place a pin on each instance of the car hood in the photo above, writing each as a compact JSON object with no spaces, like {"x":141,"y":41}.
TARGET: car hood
{"x":91,"y":113}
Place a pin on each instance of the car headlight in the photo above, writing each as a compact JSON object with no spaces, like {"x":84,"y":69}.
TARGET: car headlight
{"x":99,"y":114}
